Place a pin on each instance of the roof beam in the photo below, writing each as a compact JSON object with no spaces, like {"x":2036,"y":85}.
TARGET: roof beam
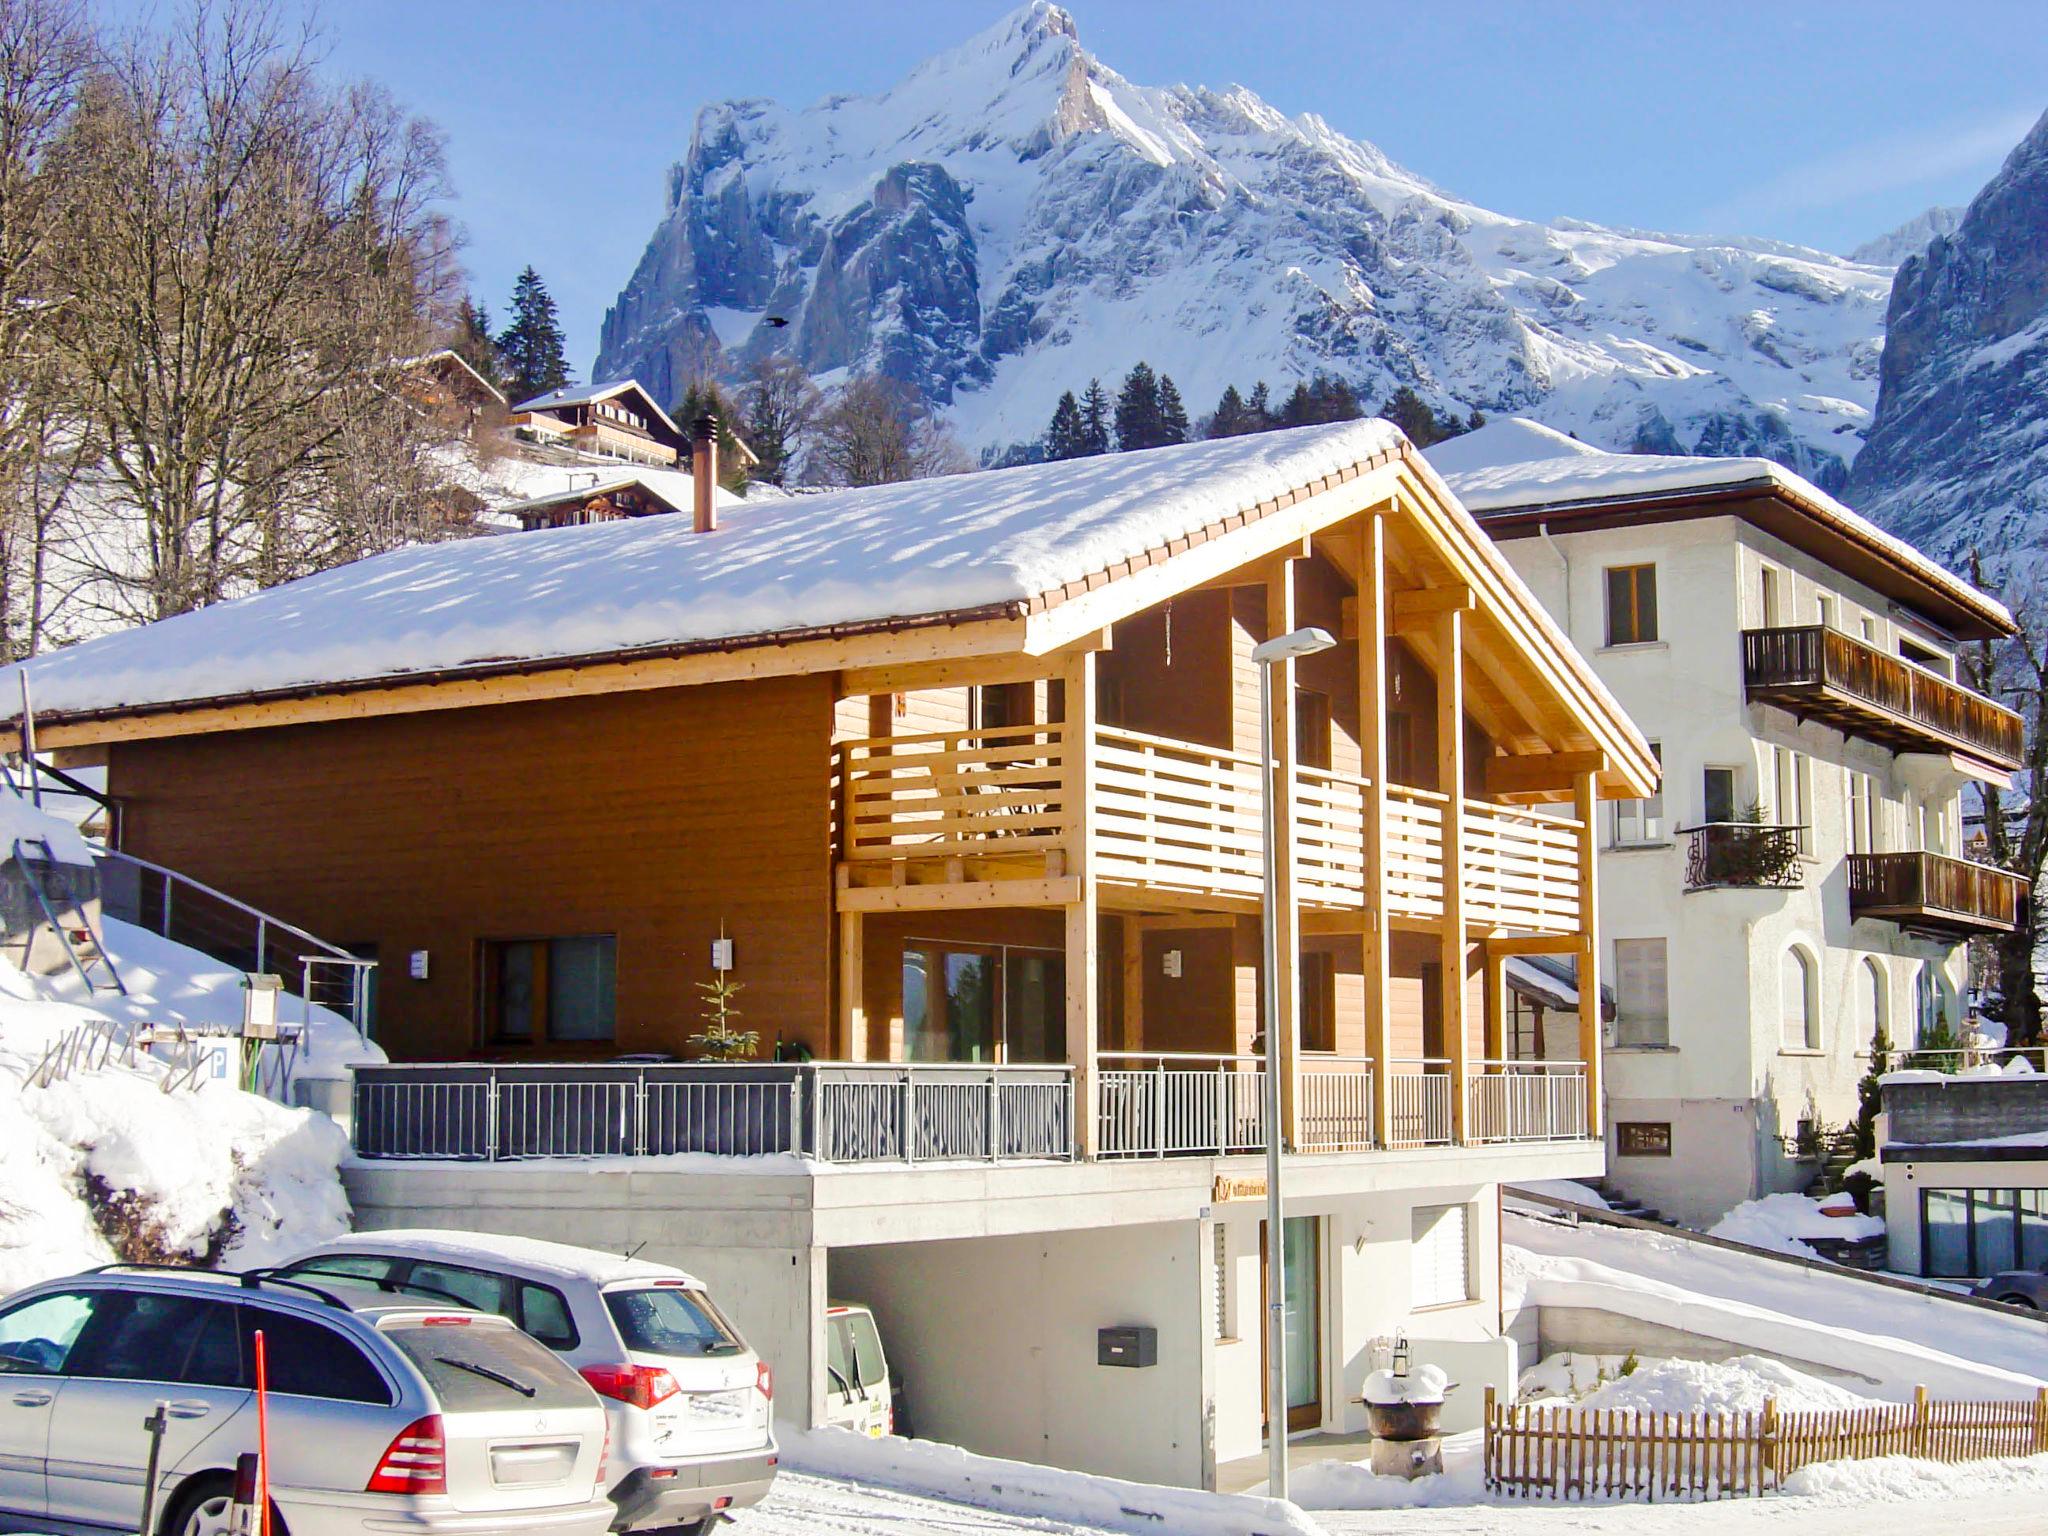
{"x":1414,"y":609}
{"x":1540,"y":771}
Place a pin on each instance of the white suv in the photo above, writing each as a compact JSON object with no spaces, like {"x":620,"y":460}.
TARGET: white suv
{"x":690,"y":1403}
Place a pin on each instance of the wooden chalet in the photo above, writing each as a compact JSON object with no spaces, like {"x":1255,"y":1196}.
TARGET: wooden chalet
{"x":964,"y":770}
{"x":620,"y":421}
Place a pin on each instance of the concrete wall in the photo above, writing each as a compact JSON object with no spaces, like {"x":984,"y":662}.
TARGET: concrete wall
{"x":996,"y":1341}
{"x":1965,"y":1109}
{"x":1714,"y":1155}
{"x":1590,"y":1331}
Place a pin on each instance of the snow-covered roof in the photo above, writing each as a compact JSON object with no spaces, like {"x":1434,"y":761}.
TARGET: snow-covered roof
{"x":1551,"y":980}
{"x":448,"y":355}
{"x":1518,"y":465}
{"x":922,"y":550}
{"x":538,"y":1257}
{"x":674,"y":487}
{"x":590,"y":394}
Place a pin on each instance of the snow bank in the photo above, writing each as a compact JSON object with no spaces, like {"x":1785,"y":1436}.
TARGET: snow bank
{"x":1353,"y":1485}
{"x":20,"y":819}
{"x":1049,"y":1493}
{"x":1568,"y":1375}
{"x":1561,"y":1189}
{"x":1889,"y":1480}
{"x":1891,"y":1339}
{"x":1782,"y":1223}
{"x":1740,"y":1385}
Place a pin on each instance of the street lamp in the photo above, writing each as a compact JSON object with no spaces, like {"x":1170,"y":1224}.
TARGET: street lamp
{"x":1281,"y":648}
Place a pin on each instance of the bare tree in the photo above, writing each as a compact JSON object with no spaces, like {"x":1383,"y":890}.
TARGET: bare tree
{"x":2016,"y":821}
{"x":778,"y":405}
{"x":875,"y":431}
{"x":263,"y":247}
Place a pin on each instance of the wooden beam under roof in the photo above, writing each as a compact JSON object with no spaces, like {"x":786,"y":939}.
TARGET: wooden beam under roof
{"x":1541,"y":771}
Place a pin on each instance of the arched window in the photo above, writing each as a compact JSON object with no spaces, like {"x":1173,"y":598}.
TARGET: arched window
{"x":1926,"y":1003}
{"x":1871,"y":1000}
{"x":1799,"y":1000}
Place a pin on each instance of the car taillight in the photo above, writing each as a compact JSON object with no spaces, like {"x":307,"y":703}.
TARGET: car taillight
{"x":416,"y":1462}
{"x":641,"y":1385}
{"x":764,"y":1379}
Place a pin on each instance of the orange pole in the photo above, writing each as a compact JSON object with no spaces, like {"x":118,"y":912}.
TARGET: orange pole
{"x":262,"y":1439}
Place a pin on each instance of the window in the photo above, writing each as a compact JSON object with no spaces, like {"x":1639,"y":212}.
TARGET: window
{"x":671,"y":1320}
{"x":1970,"y":1233}
{"x":1862,"y":793}
{"x":550,"y":989}
{"x":1826,"y":607}
{"x":1525,"y":1028}
{"x":1921,"y":656}
{"x":1799,"y":1000}
{"x":545,"y":1314}
{"x":1642,"y":1138}
{"x":1790,"y":778}
{"x":1440,"y":1256}
{"x":1638,"y":823}
{"x":1318,"y":969}
{"x":1631,"y":604}
{"x":1772,"y":584}
{"x":1927,"y":990}
{"x":1642,"y":1008}
{"x":1717,"y":794}
{"x":1870,"y":1000}
{"x":154,"y":1336}
{"x":36,"y":1337}
{"x":983,"y":1002}
{"x":309,"y":1359}
{"x":1312,"y":727}
{"x":471,"y":1287}
{"x":487,"y":1366}
{"x":1869,"y":626}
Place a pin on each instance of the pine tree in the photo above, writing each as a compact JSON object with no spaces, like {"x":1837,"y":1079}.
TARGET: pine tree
{"x":1137,"y":410}
{"x":1411,"y":413}
{"x":1173,"y":416}
{"x":1067,"y":436}
{"x":532,"y":343}
{"x":472,"y":340}
{"x":1258,"y":410}
{"x":1229,"y":417}
{"x":1094,"y":419}
{"x":1297,"y":410}
{"x":705,"y":397}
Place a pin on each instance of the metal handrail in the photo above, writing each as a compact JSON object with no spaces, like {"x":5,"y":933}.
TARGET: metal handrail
{"x":1208,"y":1058}
{"x":203,"y":888}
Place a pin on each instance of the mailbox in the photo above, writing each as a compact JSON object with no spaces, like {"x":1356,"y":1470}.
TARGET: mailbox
{"x":1127,"y":1346}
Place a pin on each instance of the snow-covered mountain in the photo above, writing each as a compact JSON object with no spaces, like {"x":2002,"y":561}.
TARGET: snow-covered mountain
{"x":1958,"y":455}
{"x":1909,"y":239}
{"x":1015,"y":217}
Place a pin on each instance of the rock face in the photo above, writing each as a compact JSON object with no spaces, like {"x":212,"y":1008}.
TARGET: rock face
{"x":1014,"y":218}
{"x":1909,"y":239}
{"x":1958,"y":455}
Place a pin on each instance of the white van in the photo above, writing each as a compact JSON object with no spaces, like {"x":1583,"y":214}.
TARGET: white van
{"x":858,"y":1393}
{"x":689,"y":1402}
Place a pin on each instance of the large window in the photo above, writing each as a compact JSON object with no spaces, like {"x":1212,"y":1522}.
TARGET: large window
{"x":1717,"y":794}
{"x":1639,"y":823}
{"x":1872,"y":999}
{"x":1318,"y":981}
{"x":1440,"y":1256}
{"x":550,"y":989}
{"x":983,"y":1002}
{"x":1791,"y":779}
{"x":1966,"y":1233}
{"x":1799,"y":1000}
{"x":1631,"y":604}
{"x":1862,"y":792}
{"x":1642,"y":1006}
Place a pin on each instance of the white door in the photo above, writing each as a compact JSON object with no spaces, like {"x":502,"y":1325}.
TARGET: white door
{"x":35,"y":1340}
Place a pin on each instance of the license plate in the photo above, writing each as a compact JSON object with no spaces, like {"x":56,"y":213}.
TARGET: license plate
{"x":517,"y":1465}
{"x":718,"y":1407}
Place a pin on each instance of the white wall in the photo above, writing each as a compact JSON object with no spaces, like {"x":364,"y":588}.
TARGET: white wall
{"x":1903,"y":1182}
{"x":996,"y":1340}
{"x":1725,"y":948}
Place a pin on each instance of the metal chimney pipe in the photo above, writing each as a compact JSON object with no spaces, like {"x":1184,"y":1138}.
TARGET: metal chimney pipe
{"x":704,"y":470}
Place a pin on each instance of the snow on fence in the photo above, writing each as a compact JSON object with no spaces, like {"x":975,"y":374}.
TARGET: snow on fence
{"x":1606,"y":1453}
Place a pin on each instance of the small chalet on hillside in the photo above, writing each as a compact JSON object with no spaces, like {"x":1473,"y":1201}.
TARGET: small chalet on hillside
{"x":960,"y":781}
{"x":619,"y":421}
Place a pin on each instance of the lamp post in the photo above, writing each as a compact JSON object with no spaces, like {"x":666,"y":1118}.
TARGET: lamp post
{"x":1280,"y":649}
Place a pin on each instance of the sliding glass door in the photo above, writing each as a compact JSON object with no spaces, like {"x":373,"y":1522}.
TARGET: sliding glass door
{"x":983,"y":1003}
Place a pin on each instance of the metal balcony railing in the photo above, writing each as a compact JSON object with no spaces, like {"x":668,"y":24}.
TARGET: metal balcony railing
{"x":1742,"y":854}
{"x":1526,"y":1101}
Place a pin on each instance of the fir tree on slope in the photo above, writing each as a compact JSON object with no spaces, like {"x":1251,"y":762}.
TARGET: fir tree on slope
{"x":1066,"y":437}
{"x":1173,"y":416}
{"x":471,"y":340}
{"x":531,"y":344}
{"x":1094,"y":419}
{"x":1138,"y":423}
{"x":704,"y":397}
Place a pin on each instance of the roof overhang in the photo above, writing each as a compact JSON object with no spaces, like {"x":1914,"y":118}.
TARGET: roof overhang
{"x":1954,"y":607}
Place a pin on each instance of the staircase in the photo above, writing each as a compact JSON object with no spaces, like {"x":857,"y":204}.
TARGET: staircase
{"x":1622,"y":1204}
{"x":1835,"y":1163}
{"x":67,"y":918}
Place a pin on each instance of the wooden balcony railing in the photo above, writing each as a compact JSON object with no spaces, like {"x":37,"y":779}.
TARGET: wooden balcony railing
{"x":1934,"y":891}
{"x":1823,"y":674}
{"x":1178,"y":816}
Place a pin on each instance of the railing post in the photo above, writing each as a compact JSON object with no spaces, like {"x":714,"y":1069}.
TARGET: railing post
{"x":640,"y":1112}
{"x":1224,"y":1068}
{"x":491,"y":1116}
{"x":907,"y":1112}
{"x":262,"y":946}
{"x":167,"y":904}
{"x":1159,"y":1109}
{"x":995,"y":1114}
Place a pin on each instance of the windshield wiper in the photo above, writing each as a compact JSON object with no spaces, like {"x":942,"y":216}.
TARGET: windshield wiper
{"x":488,"y":1374}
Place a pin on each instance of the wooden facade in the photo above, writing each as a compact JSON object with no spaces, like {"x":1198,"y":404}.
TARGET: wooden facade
{"x":1051,"y":823}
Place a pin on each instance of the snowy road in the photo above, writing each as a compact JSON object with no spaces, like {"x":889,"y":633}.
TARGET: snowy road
{"x":814,"y":1506}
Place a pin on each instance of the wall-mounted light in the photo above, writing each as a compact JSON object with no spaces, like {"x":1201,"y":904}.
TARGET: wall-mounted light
{"x":1173,"y":964}
{"x":721,"y":954}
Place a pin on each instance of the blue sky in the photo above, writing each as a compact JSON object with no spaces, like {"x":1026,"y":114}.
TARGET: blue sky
{"x":1819,"y":122}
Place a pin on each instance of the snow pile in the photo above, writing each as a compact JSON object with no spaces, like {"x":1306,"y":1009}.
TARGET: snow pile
{"x":1048,"y":1493}
{"x":20,"y":819}
{"x":1561,"y":1189}
{"x":1424,"y":1384}
{"x":104,"y":1165}
{"x":1740,"y":1385}
{"x":1782,"y":1223}
{"x":1569,"y":1375}
{"x":1353,"y":1485}
{"x":1890,"y":1480}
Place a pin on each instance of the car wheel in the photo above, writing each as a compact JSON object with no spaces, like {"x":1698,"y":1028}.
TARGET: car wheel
{"x":2016,"y":1300}
{"x":206,"y":1508}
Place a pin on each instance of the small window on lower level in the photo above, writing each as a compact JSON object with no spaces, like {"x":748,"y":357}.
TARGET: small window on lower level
{"x":1642,"y":1138}
{"x":550,"y":989}
{"x":1318,"y":1000}
{"x":1440,"y":1257}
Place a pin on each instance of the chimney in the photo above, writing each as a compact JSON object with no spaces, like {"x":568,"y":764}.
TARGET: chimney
{"x":704,"y":470}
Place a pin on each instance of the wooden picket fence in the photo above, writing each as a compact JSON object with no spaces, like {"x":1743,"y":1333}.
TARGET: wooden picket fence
{"x":1619,"y":1453}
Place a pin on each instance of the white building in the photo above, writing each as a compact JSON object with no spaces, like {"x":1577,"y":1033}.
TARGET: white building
{"x":1797,"y":885}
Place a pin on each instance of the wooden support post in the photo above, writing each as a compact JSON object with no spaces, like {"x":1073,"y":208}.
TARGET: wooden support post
{"x":853,"y":1013}
{"x":1132,"y":1035}
{"x":881,"y":714}
{"x":1450,"y":782}
{"x":1372,"y":748}
{"x":1586,"y":805}
{"x":1285,"y":1030}
{"x":1084,"y":1037}
{"x":1495,"y":1047}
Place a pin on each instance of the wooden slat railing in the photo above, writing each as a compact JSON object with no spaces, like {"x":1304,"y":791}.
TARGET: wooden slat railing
{"x":1906,"y":701}
{"x":1933,"y":886}
{"x":1177,"y":815}
{"x":953,"y":793}
{"x":1521,"y":868}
